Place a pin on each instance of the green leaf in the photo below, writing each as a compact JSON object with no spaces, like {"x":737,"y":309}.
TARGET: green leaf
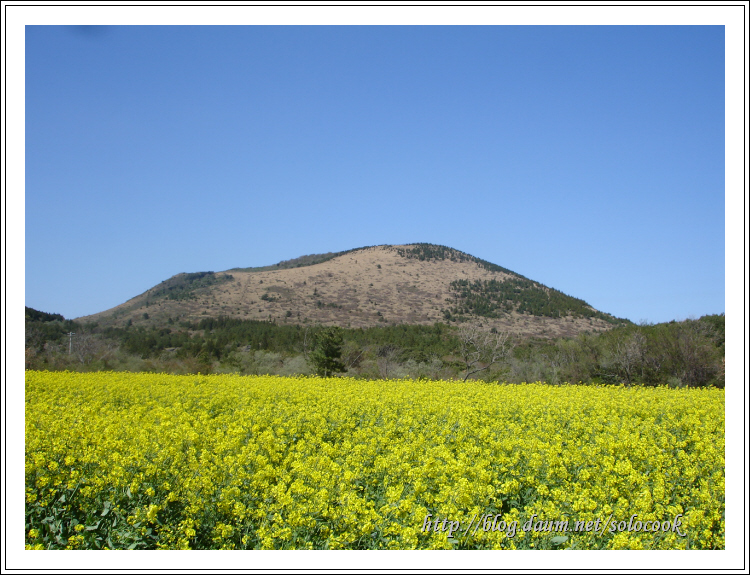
{"x":560,"y":539}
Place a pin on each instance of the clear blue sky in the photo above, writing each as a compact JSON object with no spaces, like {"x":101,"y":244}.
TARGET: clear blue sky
{"x":588,"y":158}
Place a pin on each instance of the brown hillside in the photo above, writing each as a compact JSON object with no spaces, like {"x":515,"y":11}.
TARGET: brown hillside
{"x":366,"y":287}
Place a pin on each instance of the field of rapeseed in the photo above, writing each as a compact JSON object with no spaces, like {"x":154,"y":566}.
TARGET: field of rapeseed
{"x":146,"y":461}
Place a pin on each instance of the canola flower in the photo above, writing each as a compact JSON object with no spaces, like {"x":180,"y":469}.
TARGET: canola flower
{"x":156,"y":461}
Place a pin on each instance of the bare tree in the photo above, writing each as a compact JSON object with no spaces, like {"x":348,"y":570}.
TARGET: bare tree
{"x":351,"y":355}
{"x":387,"y":356}
{"x":630,"y":355}
{"x":87,"y":347}
{"x":480,"y":349}
{"x":308,"y":341}
{"x":30,"y":355}
{"x":34,"y":339}
{"x":555,"y":363}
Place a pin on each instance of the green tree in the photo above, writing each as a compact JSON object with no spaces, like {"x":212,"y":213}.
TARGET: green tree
{"x":326,"y":356}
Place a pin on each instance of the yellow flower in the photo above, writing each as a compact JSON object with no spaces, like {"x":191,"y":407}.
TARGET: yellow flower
{"x":276,"y":462}
{"x":151,"y":513}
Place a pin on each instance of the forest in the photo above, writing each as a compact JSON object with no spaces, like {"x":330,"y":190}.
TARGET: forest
{"x":678,"y":353}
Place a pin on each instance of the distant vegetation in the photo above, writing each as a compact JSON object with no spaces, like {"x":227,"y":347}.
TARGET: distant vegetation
{"x":300,"y":262}
{"x":419,"y":251}
{"x":187,"y":286}
{"x":41,"y":317}
{"x":429,"y":252}
{"x":687,"y":353}
{"x":493,"y":299}
{"x":43,"y":328}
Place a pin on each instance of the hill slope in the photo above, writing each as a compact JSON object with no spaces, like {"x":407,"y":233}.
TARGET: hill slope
{"x":412,"y":284}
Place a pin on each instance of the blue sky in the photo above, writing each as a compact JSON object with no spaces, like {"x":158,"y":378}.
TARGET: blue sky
{"x":588,"y":158}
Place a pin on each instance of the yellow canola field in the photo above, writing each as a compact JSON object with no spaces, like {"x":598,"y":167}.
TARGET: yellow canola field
{"x":145,"y":461}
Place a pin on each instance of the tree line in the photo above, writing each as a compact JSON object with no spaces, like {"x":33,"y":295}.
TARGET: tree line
{"x":686,"y":353}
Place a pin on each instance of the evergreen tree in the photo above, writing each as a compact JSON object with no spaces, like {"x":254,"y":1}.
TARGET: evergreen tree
{"x":326,"y":356}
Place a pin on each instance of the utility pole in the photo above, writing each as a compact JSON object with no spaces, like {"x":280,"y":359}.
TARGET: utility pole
{"x":70,"y":346}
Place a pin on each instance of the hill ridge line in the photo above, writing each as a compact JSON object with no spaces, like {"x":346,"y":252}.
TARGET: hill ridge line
{"x":387,"y":284}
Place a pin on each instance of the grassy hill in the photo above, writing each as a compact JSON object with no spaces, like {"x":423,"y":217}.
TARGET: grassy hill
{"x":415,"y":284}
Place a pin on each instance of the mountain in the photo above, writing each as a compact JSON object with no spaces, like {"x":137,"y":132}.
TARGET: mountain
{"x":369,"y":286}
